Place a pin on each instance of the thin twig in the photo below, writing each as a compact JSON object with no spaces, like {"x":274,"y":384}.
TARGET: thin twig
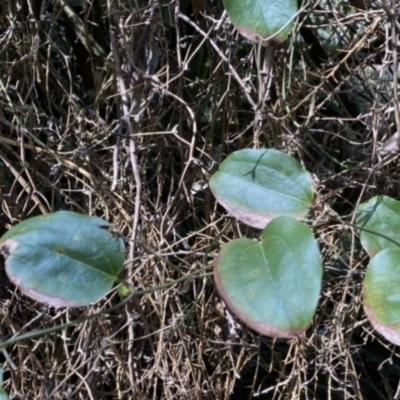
{"x":132,"y":145}
{"x":216,"y":48}
{"x":42,"y":332}
{"x":25,"y":185}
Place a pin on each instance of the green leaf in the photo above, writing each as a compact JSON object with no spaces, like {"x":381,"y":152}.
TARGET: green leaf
{"x":380,"y":217}
{"x":124,"y":290}
{"x":273,"y":286}
{"x":256,"y":186}
{"x":64,"y":259}
{"x":3,"y":393}
{"x":382,"y":295}
{"x":264,"y":19}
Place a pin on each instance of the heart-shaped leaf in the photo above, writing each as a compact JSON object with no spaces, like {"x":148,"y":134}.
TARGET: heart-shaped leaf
{"x":382,"y":294}
{"x":273,"y":286}
{"x":379,"y":220}
{"x":63,"y":259}
{"x":262,"y":19}
{"x":256,"y":186}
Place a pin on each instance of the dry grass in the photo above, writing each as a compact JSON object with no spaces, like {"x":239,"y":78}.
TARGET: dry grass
{"x":123,"y":110}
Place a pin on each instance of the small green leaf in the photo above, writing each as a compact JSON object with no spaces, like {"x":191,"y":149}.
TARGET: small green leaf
{"x":273,"y":286}
{"x":63,"y":259}
{"x":380,"y":217}
{"x":124,"y":290}
{"x":256,"y":186}
{"x":262,"y":19}
{"x":382,"y":295}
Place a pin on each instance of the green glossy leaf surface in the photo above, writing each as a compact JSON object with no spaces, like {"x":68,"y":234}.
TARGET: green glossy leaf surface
{"x":256,"y":19}
{"x":256,"y":186}
{"x":63,"y":259}
{"x":273,"y":285}
{"x":380,"y":217}
{"x":382,"y":294}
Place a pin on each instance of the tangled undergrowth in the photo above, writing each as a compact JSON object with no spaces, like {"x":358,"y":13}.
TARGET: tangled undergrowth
{"x":123,"y":109}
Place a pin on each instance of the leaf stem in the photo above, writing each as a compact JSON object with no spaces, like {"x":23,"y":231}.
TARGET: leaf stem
{"x":134,"y":293}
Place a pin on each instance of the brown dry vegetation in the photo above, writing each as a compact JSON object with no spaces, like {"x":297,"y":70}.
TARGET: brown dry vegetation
{"x":123,"y":109}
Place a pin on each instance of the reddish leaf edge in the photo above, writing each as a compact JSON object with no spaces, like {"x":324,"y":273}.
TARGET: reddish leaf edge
{"x":261,"y":328}
{"x":7,"y":248}
{"x":387,"y":331}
